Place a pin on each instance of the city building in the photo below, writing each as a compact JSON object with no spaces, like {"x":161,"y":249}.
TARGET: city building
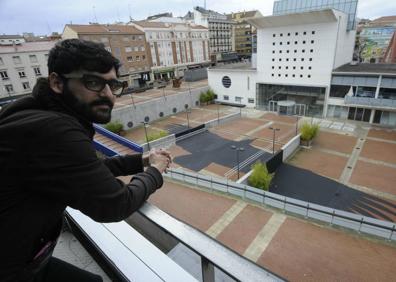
{"x":126,"y":43}
{"x":284,"y":7}
{"x":174,"y":46}
{"x":20,"y":66}
{"x":296,"y":54}
{"x":11,"y":39}
{"x":390,"y":52}
{"x":244,"y":34}
{"x":374,"y":40}
{"x":220,"y":31}
{"x":364,"y":92}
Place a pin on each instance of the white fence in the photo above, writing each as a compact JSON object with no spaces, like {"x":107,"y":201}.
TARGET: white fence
{"x":290,"y":147}
{"x":359,"y":223}
{"x":222,"y":120}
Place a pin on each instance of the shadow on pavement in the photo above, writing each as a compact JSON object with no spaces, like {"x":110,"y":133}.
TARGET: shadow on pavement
{"x":307,"y":186}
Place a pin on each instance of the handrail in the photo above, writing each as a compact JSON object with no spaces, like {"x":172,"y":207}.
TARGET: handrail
{"x":211,"y":251}
{"x":285,"y":202}
{"x":123,"y":141}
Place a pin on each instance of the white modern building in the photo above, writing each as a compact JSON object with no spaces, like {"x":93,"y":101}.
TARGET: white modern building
{"x":174,"y":46}
{"x":21,"y":65}
{"x":11,"y":39}
{"x":296,"y":54}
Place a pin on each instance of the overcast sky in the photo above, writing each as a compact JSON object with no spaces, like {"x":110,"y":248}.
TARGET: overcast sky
{"x":46,"y":16}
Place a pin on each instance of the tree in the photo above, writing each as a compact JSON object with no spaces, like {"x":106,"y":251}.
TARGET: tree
{"x":260,"y":177}
{"x":309,"y":131}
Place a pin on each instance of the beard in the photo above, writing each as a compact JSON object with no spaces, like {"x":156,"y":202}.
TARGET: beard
{"x":94,"y":111}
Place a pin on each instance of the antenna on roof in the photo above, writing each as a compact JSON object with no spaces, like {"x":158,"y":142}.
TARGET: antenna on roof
{"x":95,"y":18}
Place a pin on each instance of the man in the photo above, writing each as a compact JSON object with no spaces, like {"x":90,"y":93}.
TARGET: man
{"x":47,"y":162}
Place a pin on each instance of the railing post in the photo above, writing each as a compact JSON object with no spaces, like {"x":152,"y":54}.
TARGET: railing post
{"x":208,"y":274}
{"x":393,"y":229}
{"x":284,"y":205}
{"x":361,"y":223}
{"x":306,"y":215}
{"x":332,"y":217}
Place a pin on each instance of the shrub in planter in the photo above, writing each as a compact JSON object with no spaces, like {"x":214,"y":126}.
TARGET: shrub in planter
{"x":260,"y":177}
{"x":156,"y":135}
{"x":308,"y":133}
{"x":115,"y":127}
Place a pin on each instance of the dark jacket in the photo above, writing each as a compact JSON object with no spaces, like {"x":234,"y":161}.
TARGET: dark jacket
{"x":47,"y":162}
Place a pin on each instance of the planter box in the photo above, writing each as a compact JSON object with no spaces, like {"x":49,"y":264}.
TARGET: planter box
{"x":306,"y":143}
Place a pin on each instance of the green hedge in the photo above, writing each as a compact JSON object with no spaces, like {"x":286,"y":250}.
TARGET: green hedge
{"x":156,"y":135}
{"x":115,"y":127}
{"x":308,"y":131}
{"x":207,"y":96}
{"x":260,"y":178}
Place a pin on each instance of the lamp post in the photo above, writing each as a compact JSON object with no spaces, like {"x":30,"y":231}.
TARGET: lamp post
{"x":273,"y":138}
{"x":133,"y":101}
{"x":145,"y":132}
{"x":237,"y":149}
{"x":163,"y":93}
{"x":188,"y":120}
{"x":218,"y":113}
{"x":296,"y":125}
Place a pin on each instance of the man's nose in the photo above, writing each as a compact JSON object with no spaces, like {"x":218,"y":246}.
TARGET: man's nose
{"x":107,"y":91}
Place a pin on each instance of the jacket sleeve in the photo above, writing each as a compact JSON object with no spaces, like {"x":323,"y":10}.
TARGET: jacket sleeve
{"x":124,"y":165}
{"x":68,"y":171}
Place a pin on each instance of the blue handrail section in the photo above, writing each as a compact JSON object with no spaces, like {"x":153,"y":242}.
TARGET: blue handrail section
{"x":104,"y":149}
{"x":123,"y":141}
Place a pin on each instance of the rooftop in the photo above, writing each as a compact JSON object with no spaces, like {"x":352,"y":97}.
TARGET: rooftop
{"x":99,"y":28}
{"x":5,"y":36}
{"x":368,"y":68}
{"x":149,"y":24}
{"x":235,"y":66}
{"x":311,"y":17}
{"x":28,"y":47}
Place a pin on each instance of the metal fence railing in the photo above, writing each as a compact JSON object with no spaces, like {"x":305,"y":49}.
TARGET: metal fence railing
{"x":359,"y":223}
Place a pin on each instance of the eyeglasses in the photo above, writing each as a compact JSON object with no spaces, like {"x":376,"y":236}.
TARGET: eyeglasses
{"x":97,"y":83}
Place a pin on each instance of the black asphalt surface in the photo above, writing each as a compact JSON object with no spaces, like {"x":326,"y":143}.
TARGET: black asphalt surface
{"x":307,"y":186}
{"x":207,"y":147}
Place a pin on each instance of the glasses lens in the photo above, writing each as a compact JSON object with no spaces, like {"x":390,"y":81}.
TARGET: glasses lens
{"x":116,"y":87}
{"x":94,"y":83}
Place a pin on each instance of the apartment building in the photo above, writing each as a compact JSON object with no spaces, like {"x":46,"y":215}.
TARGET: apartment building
{"x":20,"y":66}
{"x":11,"y":39}
{"x":364,"y":92}
{"x":296,"y":54}
{"x":126,"y":43}
{"x":220,"y":30}
{"x":174,"y":46}
{"x":244,"y":34}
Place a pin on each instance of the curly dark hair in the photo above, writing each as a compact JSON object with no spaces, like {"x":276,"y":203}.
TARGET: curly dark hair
{"x":74,"y":54}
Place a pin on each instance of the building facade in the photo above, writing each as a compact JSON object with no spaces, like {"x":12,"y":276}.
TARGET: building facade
{"x":220,"y":31}
{"x":296,"y":54}
{"x":21,"y":65}
{"x":174,"y":46}
{"x":126,"y":43}
{"x":244,"y":34}
{"x":349,"y":7}
{"x":11,"y":39}
{"x":364,"y":92}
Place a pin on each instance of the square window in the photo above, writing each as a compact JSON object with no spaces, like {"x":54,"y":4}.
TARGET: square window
{"x":302,"y":68}
{"x":305,"y":33}
{"x":288,"y":42}
{"x":287,"y":68}
{"x":272,"y":74}
{"x":281,"y":34}
{"x":288,"y":34}
{"x":312,"y":41}
{"x":280,"y":67}
{"x":280,"y":60}
{"x":287,"y":59}
{"x":273,"y":43}
{"x":273,"y":67}
{"x":225,"y":97}
{"x":287,"y":51}
{"x":273,"y":60}
{"x":279,"y":74}
{"x":309,"y":76}
{"x":294,"y":67}
{"x":295,"y":42}
{"x":273,"y":51}
{"x":309,"y":68}
{"x":311,"y":50}
{"x":310,"y":59}
{"x":294,"y":75}
{"x":280,"y":51}
{"x":303,"y":50}
{"x":273,"y":35}
{"x":302,"y":59}
{"x":294,"y":59}
{"x":296,"y":33}
{"x":301,"y":75}
{"x":304,"y":41}
{"x":280,"y":43}
{"x":295,"y":51}
{"x":286,"y":75}
{"x":313,"y":31}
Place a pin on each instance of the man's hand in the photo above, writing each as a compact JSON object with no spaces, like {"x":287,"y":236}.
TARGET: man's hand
{"x":160,"y":159}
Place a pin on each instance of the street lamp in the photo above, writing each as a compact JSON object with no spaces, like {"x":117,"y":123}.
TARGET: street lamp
{"x":237,"y":149}
{"x":273,"y":138}
{"x":145,"y":132}
{"x":133,"y":101}
{"x":218,"y":113}
{"x":296,"y":125}
{"x":163,"y":92}
{"x":188,"y":120}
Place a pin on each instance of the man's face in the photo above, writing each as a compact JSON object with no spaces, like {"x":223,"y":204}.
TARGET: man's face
{"x":94,"y":106}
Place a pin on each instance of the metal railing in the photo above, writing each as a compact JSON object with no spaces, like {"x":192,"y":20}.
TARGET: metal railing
{"x":359,"y":223}
{"x":373,"y":102}
{"x":212,"y":254}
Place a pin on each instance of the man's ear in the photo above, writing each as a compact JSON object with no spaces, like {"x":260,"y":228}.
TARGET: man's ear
{"x":56,"y":83}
